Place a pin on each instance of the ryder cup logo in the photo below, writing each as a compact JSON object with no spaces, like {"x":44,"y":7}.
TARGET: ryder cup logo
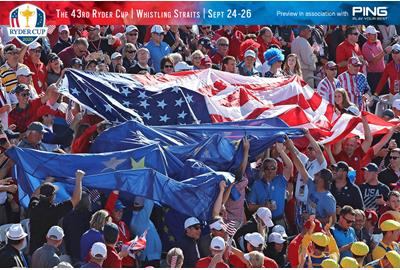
{"x":27,"y":23}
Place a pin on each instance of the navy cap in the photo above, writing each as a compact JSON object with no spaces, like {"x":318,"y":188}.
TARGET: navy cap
{"x":53,"y":56}
{"x":206,"y":42}
{"x":371,"y":167}
{"x":11,"y":134}
{"x":341,"y":165}
{"x":110,"y":233}
{"x":20,"y":88}
{"x":389,"y":113}
{"x":36,"y":126}
{"x":76,"y":61}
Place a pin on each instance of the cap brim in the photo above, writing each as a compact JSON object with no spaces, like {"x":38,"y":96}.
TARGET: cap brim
{"x":269,"y":223}
{"x":280,"y":241}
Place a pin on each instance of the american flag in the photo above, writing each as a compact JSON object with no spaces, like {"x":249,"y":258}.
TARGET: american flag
{"x":205,"y":96}
{"x":231,"y":227}
{"x":174,"y":259}
{"x":69,"y":117}
{"x":51,"y":28}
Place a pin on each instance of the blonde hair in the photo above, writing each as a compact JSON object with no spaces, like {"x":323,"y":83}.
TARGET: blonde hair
{"x":197,"y":53}
{"x":99,"y":219}
{"x":256,"y":259}
{"x":179,"y":257}
{"x":297,"y":67}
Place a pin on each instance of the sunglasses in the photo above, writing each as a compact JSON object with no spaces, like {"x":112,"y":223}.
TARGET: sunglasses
{"x":270,"y":168}
{"x":197,"y":57}
{"x":37,"y":51}
{"x":132,"y":34}
{"x":349,"y":221}
{"x":223,"y":45}
{"x":25,"y":95}
{"x":168,"y":66}
{"x":130,"y":51}
{"x":392,"y":157}
{"x":355,"y":34}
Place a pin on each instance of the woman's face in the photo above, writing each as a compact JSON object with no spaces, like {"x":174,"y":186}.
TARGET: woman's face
{"x":196,"y":60}
{"x":55,"y":64}
{"x":338,"y":98}
{"x":291,"y":62}
{"x":168,"y":68}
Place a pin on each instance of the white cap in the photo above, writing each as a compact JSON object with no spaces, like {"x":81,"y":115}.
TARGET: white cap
{"x":115,"y":55}
{"x":131,"y":28}
{"x":182,"y":66}
{"x":396,"y":104}
{"x":157,"y":29}
{"x":190,"y":222}
{"x":34,"y":45}
{"x":55,"y":233}
{"x":255,"y":239}
{"x":217,"y":243}
{"x":99,"y":250}
{"x":396,"y":47}
{"x":371,"y":30}
{"x":275,"y":238}
{"x":265,"y":214}
{"x":250,"y":53}
{"x":280,"y":229}
{"x":217,"y":225}
{"x":63,"y":28}
{"x":16,"y":232}
{"x":24,"y":71}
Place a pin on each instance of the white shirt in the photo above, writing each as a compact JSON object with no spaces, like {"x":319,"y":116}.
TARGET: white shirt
{"x":4,"y":115}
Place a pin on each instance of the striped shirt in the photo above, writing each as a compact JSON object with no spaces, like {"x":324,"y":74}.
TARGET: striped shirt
{"x":356,"y":85}
{"x":8,"y":76}
{"x":327,"y":89}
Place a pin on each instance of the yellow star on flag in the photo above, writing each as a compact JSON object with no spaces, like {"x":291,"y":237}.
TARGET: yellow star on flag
{"x":137,"y":164}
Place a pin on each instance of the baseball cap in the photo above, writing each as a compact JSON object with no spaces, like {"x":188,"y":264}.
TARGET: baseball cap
{"x":217,"y":243}
{"x":394,"y":258}
{"x":390,"y":225}
{"x":55,"y":233}
{"x":280,"y":229}
{"x":255,"y":239}
{"x":53,"y":56}
{"x":10,"y":48}
{"x":217,"y":225}
{"x":182,"y":66}
{"x":76,"y":61}
{"x":119,"y":205}
{"x":63,"y":28}
{"x":318,"y":225}
{"x":34,"y":46}
{"x":36,"y":126}
{"x":205,"y":41}
{"x":16,"y":232}
{"x":115,"y":55}
{"x":396,"y":104}
{"x":131,"y":28}
{"x":396,"y":47}
{"x":355,"y":61}
{"x":320,"y":239}
{"x":371,"y":167}
{"x":191,"y":222}
{"x":250,"y":53}
{"x":341,"y":165}
{"x":20,"y":88}
{"x":331,"y":65}
{"x":93,"y":27}
{"x":110,"y":232}
{"x":371,"y":30}
{"x":24,"y":71}
{"x":47,"y":189}
{"x":371,"y":215}
{"x":329,"y":263}
{"x":276,"y":238}
{"x":348,"y":262}
{"x":304,"y":27}
{"x":359,"y":248}
{"x":389,"y":113}
{"x":98,"y":250}
{"x":157,"y":29}
{"x":265,"y":215}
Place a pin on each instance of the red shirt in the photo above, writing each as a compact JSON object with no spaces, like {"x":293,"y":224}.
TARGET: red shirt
{"x":204,"y":262}
{"x":113,"y":260}
{"x":344,"y":51}
{"x":265,"y":46}
{"x":293,"y":251}
{"x":217,"y":58}
{"x":23,"y":117}
{"x":82,"y":143}
{"x":39,"y":79}
{"x":357,"y":161}
{"x":66,"y":55}
{"x":389,"y":72}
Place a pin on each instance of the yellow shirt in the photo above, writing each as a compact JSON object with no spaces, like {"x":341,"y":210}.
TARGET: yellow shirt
{"x":381,"y":249}
{"x":8,"y":76}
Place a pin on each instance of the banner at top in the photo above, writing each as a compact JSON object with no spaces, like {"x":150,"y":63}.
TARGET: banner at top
{"x":215,"y":13}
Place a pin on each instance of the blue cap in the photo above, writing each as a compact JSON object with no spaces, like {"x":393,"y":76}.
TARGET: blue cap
{"x":371,"y":167}
{"x":119,"y":205}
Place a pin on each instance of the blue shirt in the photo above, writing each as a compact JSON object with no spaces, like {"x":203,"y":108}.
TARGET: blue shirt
{"x":88,"y":239}
{"x":157,"y":52}
{"x":344,"y":237}
{"x":261,"y":192}
{"x":322,"y":204}
{"x":140,"y":222}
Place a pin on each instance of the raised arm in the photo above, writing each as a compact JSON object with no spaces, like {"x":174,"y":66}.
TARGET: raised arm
{"x":377,"y":147}
{"x":367,"y":133}
{"x":315,"y":146}
{"x":218,"y":202}
{"x":243,"y":165}
{"x":288,"y":165}
{"x":297,"y":163}
{"x":77,"y":195}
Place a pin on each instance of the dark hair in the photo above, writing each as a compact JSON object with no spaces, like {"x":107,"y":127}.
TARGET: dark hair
{"x":264,"y":30}
{"x":347,"y":209}
{"x":165,"y":60}
{"x":226,"y":60}
{"x":350,"y":30}
{"x":326,"y":176}
{"x":15,"y":242}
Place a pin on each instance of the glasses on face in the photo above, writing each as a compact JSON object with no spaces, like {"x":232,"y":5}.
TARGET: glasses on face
{"x":223,"y":45}
{"x":130,"y":51}
{"x":355,"y":34}
{"x":393,"y":157}
{"x":270,"y":168}
{"x":25,"y":95}
{"x":12,"y":53}
{"x":197,"y":58}
{"x":349,"y":221}
{"x":132,"y":34}
{"x":168,"y":66}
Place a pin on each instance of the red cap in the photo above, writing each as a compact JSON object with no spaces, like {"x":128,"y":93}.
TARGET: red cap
{"x":45,"y":110}
{"x":371,"y":215}
{"x":248,"y":44}
{"x":394,"y":215}
{"x":318,"y":225}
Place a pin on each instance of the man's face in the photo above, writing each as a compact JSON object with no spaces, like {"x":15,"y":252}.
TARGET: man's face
{"x":157,"y":37}
{"x":194,"y":232}
{"x":396,"y":56}
{"x":80,"y":50}
{"x":353,"y":37}
{"x":270,"y":169}
{"x":35,"y":54}
{"x":346,"y":221}
{"x":267,"y":37}
{"x":93,"y":34}
{"x":48,"y":119}
{"x":394,"y":158}
{"x":310,"y":152}
{"x":12,"y":56}
{"x":359,"y":222}
{"x":23,"y":97}
{"x":63,"y":35}
{"x":249,"y":61}
{"x":394,"y":203}
{"x":35,"y":137}
{"x":369,"y":176}
{"x":24,"y":79}
{"x":230,"y":66}
{"x":143,"y":56}
{"x":331,"y":72}
{"x":350,"y":145}
{"x":223,"y":47}
{"x":278,"y":247}
{"x":117,"y":214}
{"x":117,"y":61}
{"x":132,"y":36}
{"x":353,"y":69}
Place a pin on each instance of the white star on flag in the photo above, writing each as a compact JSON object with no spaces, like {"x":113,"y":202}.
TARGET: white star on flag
{"x":147,"y":116}
{"x":144,"y":104}
{"x":108,"y":108}
{"x":161,"y":104}
{"x":112,"y":164}
{"x":164,"y":118}
{"x":125,"y":91}
{"x":182,"y":114}
{"x":142,"y":95}
{"x":178,"y":102}
{"x":75,"y":91}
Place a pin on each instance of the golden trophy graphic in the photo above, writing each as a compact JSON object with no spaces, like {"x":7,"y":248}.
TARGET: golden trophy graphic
{"x":27,"y":14}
